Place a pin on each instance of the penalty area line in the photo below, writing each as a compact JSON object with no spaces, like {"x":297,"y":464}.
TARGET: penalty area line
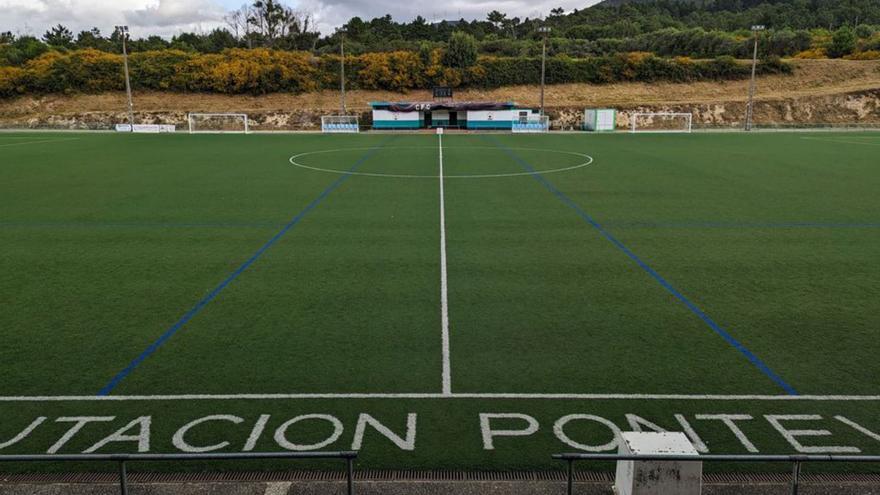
{"x":420,"y":396}
{"x":41,"y":141}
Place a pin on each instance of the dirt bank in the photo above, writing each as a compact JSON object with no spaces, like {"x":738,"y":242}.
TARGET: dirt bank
{"x":820,"y":91}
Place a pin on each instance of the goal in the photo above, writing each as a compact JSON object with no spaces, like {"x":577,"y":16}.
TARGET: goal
{"x":661,"y":122}
{"x":340,"y":123}
{"x":218,"y":123}
{"x":523,"y":125}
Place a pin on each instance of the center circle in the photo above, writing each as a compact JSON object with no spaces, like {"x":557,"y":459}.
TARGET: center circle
{"x":587,"y":161}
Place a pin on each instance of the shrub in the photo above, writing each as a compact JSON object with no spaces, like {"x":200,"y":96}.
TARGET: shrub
{"x":156,"y":69}
{"x":866,"y":55}
{"x":461,"y":52}
{"x":11,"y":81}
{"x":813,"y":53}
{"x":258,"y":71}
{"x":843,"y":42}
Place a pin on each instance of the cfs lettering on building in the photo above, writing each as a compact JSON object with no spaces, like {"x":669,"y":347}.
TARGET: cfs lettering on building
{"x":454,"y":115}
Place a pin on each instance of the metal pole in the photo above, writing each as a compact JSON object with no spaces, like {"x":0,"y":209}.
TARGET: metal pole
{"x":750,"y":105}
{"x":127,"y":80}
{"x":123,"y":479}
{"x":570,"y":477}
{"x":342,"y":70}
{"x":350,"y":476}
{"x":543,"y":63}
{"x":795,"y":477}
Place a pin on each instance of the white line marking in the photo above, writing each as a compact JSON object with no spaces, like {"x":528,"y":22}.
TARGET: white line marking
{"x":444,"y":295}
{"x":39,"y":142}
{"x":505,"y":396}
{"x":588,"y":161}
{"x":840,"y":141}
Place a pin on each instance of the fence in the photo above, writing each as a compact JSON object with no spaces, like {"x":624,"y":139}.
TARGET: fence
{"x":123,"y":459}
{"x":795,"y":460}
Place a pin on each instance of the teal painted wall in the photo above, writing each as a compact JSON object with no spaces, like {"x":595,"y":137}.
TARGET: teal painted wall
{"x":489,"y":124}
{"x":398,"y":124}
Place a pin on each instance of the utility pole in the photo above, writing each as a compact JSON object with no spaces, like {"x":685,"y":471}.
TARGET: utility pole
{"x":544,"y":30}
{"x":123,"y":30}
{"x":751,"y":104}
{"x":342,"y":68}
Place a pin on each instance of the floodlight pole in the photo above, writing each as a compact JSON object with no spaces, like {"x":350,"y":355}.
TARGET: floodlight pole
{"x":124,"y":31}
{"x":544,"y":30}
{"x":342,"y":69}
{"x":751,"y":103}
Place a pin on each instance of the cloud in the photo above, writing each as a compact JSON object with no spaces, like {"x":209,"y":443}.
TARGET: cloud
{"x":176,"y":13}
{"x":170,"y":17}
{"x":331,"y":13}
{"x":144,"y":17}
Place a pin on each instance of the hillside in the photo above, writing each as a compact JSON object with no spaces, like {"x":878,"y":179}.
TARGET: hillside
{"x":815,"y":81}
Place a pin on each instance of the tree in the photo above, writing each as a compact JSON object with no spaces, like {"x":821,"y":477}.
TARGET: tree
{"x":218,"y":40}
{"x":843,"y":42}
{"x":59,"y":36}
{"x":275,"y":23}
{"x":91,"y":39}
{"x":268,"y":18}
{"x":461,"y":52}
{"x":864,"y":31}
{"x":151,"y":43}
{"x":497,"y":19}
{"x":238,"y":21}
{"x":21,"y":49}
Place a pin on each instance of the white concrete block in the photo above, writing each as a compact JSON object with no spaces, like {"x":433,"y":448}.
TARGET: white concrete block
{"x":658,"y":477}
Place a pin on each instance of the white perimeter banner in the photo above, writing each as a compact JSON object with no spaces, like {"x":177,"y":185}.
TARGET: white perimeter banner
{"x":149,"y":128}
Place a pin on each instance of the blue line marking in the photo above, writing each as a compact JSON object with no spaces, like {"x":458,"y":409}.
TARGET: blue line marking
{"x":698,"y":224}
{"x":140,"y":225}
{"x":653,"y":273}
{"x":244,"y":266}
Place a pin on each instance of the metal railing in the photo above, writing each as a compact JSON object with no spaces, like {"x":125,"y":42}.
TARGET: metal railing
{"x":123,"y":459}
{"x":795,"y":460}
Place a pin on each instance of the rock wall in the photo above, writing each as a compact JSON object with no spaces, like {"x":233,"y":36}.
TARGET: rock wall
{"x":861,"y":108}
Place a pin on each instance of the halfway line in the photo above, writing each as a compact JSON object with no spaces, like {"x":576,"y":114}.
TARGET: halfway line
{"x":244,"y":266}
{"x":444,"y":296}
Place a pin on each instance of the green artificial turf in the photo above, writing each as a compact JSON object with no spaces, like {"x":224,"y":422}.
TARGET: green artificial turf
{"x":613,"y":265}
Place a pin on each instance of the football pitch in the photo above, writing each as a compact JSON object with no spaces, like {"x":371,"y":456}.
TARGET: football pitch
{"x":457,"y":301}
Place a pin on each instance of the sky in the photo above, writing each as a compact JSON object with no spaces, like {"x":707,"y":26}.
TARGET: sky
{"x":169,"y":17}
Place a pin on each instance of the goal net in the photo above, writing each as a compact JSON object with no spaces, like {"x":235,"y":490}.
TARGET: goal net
{"x":523,"y":125}
{"x":661,"y":122}
{"x":218,"y":122}
{"x":340,"y":123}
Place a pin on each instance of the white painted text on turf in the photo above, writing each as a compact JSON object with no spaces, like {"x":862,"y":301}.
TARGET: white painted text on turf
{"x":803,"y":433}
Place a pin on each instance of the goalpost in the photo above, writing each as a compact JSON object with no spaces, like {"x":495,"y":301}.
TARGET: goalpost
{"x":218,"y":123}
{"x":340,"y":124}
{"x":661,"y":122}
{"x":540,"y":125}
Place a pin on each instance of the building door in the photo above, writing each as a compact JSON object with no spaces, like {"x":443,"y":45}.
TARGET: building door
{"x":453,"y":119}
{"x":428,"y":121}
